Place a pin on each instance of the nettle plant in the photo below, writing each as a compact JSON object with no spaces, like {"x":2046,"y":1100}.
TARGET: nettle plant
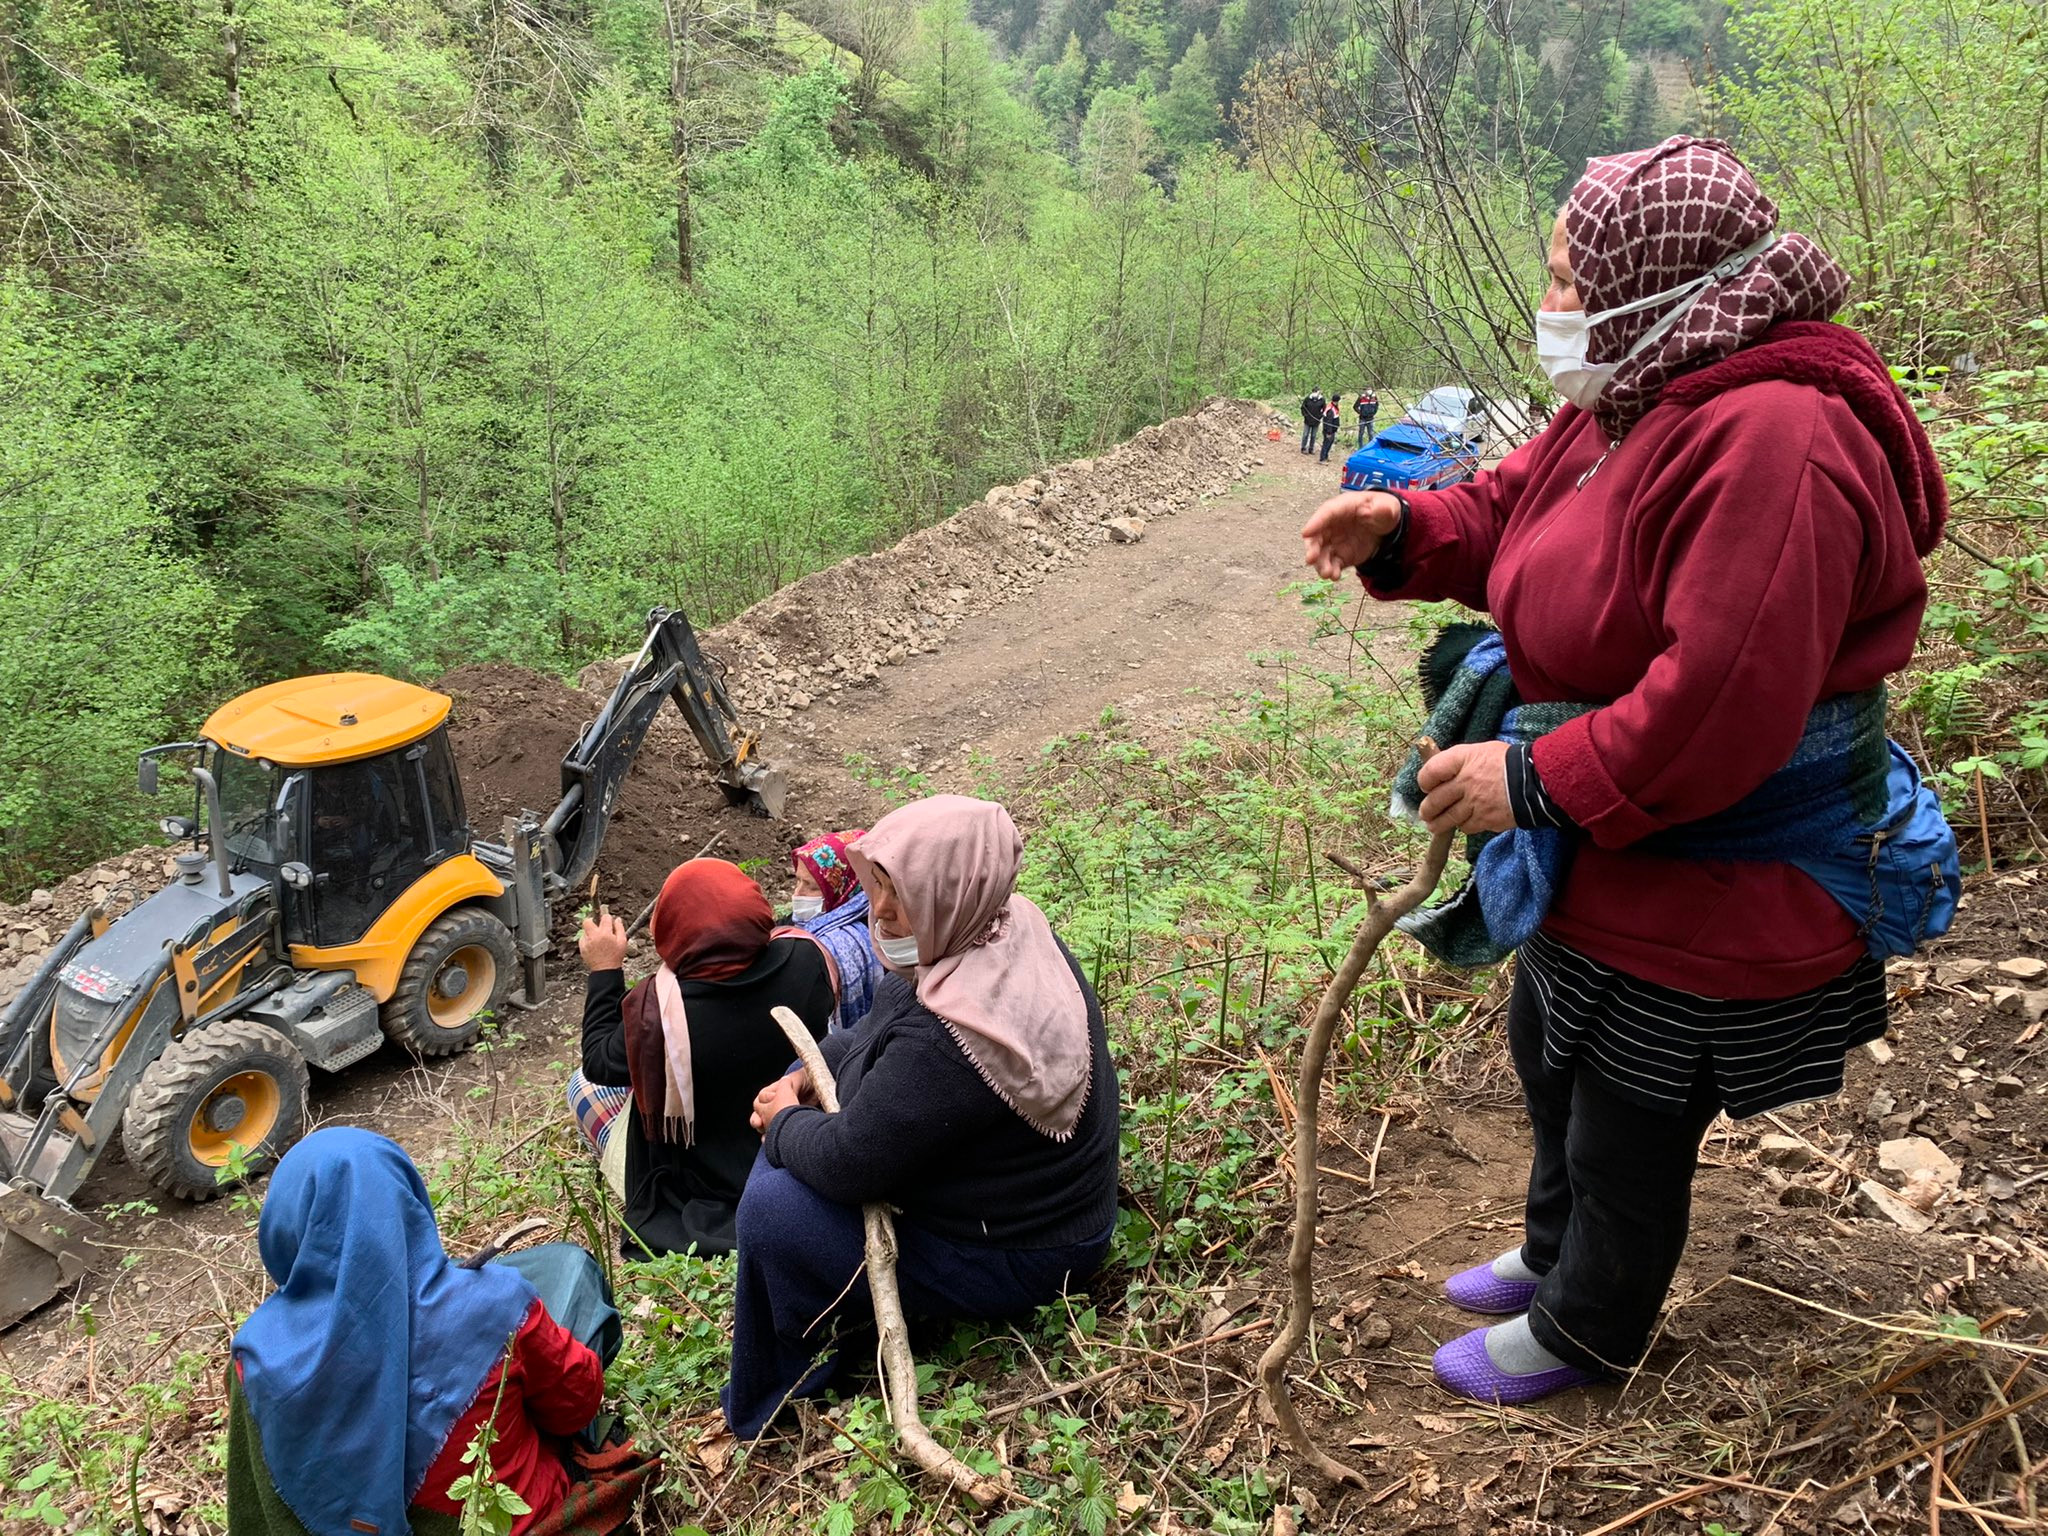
{"x":1980,"y":704}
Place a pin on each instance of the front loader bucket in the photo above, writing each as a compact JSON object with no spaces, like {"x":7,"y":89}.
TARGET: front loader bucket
{"x":45,"y":1247}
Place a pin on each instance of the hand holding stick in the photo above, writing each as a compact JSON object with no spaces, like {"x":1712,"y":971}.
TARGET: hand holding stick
{"x":1300,"y":1312}
{"x":899,"y":1369}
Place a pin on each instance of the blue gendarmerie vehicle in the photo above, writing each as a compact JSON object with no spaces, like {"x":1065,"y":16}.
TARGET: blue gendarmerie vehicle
{"x":1436,"y":444}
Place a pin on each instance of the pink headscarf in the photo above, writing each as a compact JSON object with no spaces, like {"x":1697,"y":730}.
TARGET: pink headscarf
{"x":1644,"y":222}
{"x":989,"y":966}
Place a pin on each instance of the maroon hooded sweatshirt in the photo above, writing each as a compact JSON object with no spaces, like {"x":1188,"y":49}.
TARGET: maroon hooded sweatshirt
{"x":1751,"y":547}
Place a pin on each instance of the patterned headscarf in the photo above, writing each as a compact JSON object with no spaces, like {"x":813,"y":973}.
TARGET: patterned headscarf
{"x":1644,"y":222}
{"x":824,"y":860}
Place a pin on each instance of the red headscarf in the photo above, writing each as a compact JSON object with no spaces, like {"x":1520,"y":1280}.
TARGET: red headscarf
{"x":1642,"y":223}
{"x":824,"y":859}
{"x":710,"y":923}
{"x":710,"y":920}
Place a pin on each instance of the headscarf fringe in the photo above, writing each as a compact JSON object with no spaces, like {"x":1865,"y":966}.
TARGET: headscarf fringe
{"x":1038,"y":1125}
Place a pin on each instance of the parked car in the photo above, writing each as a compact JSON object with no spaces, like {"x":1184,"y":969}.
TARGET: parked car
{"x":1413,"y":455}
{"x":1454,"y":411}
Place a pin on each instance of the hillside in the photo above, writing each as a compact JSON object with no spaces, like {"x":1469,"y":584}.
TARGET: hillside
{"x":450,"y":333}
{"x":330,"y":339}
{"x":1184,"y":716}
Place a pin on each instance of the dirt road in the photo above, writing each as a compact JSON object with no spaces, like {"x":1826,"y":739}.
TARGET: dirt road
{"x":1159,"y":631}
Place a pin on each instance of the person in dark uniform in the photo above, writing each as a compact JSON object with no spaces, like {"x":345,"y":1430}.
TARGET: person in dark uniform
{"x":1311,"y":419}
{"x":1367,"y":406}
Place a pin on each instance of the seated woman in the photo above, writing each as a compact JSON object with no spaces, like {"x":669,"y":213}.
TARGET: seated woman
{"x":833,"y":909}
{"x":979,"y":1099}
{"x":361,"y":1382}
{"x":693,"y":1042}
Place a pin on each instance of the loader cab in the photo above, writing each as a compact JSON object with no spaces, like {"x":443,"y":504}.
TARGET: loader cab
{"x":373,"y":828}
{"x":344,"y":788}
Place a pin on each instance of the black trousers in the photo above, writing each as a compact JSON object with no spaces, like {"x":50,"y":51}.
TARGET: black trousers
{"x":1610,"y":1198}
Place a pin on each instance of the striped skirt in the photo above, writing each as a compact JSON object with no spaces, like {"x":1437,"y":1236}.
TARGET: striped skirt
{"x":1652,"y":1043}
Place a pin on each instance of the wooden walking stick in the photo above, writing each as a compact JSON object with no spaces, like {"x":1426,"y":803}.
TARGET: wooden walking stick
{"x":1300,"y":1310}
{"x":899,"y":1369}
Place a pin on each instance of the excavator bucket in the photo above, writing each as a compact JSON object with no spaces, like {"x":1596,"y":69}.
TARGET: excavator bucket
{"x":760,"y":787}
{"x":45,"y":1248}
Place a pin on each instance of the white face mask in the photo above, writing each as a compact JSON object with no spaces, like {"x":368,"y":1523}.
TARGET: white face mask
{"x":804,"y":908}
{"x":898,"y":954}
{"x":1562,"y":335}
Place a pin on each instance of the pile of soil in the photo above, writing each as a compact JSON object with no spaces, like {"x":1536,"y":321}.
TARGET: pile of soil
{"x":511,"y":728}
{"x":904,"y":600}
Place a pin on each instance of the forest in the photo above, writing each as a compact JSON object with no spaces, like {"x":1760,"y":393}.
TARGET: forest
{"x":400,"y":334}
{"x":444,"y":338}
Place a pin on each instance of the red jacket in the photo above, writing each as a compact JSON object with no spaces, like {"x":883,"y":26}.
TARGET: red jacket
{"x":553,"y":1387}
{"x":1735,"y":560}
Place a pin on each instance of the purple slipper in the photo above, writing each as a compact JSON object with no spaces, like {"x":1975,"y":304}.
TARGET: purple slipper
{"x":1479,"y":1289}
{"x":1464,"y":1367}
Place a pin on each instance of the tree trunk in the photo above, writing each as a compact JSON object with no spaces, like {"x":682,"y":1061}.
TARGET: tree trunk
{"x":677,"y":17}
{"x":231,"y":60}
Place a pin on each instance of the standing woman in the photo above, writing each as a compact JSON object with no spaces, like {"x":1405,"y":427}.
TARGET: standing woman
{"x":978,"y":1099}
{"x":1712,"y":550}
{"x":693,"y":1042}
{"x":830,"y":906}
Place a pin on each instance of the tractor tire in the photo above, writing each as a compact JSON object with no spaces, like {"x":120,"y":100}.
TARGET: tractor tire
{"x":233,"y":1084}
{"x":458,"y":973}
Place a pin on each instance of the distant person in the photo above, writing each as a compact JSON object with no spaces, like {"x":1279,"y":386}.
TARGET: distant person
{"x":1332,"y":421}
{"x":1366,"y":406}
{"x":360,"y":1384}
{"x":830,"y":905}
{"x":979,"y":1099}
{"x":1311,"y":419}
{"x":694,"y":1041}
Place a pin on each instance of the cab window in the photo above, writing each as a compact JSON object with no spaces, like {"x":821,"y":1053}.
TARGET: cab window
{"x":444,"y":797}
{"x":368,"y":842}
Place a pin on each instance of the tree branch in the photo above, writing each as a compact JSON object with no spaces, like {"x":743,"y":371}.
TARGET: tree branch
{"x":899,"y":1369}
{"x":1300,"y":1310}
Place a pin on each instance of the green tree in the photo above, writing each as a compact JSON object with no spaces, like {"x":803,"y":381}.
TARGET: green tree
{"x":1060,"y":88}
{"x":1907,"y":139}
{"x":113,"y":632}
{"x":1673,"y":25}
{"x":1639,"y":119}
{"x":967,"y":120}
{"x":1139,"y":55}
{"x":1186,"y":113}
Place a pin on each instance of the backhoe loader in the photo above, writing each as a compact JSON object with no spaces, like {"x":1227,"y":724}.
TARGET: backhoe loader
{"x":334,"y":897}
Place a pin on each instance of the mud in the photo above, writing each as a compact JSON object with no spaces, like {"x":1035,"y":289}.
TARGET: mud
{"x":510,"y":729}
